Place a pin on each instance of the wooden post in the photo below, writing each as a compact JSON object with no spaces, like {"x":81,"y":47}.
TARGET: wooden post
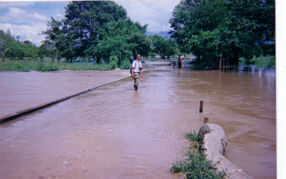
{"x":220,"y":63}
{"x":201,"y":106}
{"x":223,"y":64}
{"x":206,"y":120}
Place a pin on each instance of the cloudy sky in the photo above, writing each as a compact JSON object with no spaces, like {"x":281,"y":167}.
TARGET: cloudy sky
{"x":29,"y":19}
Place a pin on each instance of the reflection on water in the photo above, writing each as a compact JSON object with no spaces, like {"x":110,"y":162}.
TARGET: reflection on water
{"x":117,"y":132}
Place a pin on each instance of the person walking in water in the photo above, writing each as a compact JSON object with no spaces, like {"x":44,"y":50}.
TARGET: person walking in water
{"x":180,"y":61}
{"x":136,"y":71}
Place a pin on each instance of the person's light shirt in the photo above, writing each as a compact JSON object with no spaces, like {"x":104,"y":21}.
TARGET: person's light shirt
{"x":136,"y":65}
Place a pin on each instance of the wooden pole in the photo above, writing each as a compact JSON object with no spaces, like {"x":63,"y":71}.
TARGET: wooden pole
{"x":201,"y":106}
{"x":220,"y":63}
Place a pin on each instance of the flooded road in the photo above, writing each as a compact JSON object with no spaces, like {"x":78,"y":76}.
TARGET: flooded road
{"x":116,"y":132}
{"x":21,"y":90}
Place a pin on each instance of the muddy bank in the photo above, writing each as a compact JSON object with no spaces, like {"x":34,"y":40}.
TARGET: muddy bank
{"x":22,"y":90}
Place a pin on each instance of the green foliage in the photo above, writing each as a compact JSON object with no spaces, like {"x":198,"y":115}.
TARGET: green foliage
{"x":13,"y":49}
{"x":125,"y":64}
{"x":221,"y":28}
{"x":113,"y":62}
{"x":260,"y":62}
{"x":163,"y":47}
{"x":77,"y":35}
{"x":196,"y":165}
{"x":47,"y":67}
{"x":98,"y":30}
{"x":15,"y":66}
{"x":194,"y":137}
{"x":123,"y":39}
{"x":33,"y":65}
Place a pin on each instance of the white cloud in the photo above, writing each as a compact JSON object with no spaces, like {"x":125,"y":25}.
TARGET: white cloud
{"x":26,"y":32}
{"x":15,"y":14}
{"x":154,"y":13}
{"x":27,"y":25}
{"x":15,"y":4}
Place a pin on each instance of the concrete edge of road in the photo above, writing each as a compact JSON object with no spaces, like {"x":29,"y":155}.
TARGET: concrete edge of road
{"x":214,"y":144}
{"x":15,"y":115}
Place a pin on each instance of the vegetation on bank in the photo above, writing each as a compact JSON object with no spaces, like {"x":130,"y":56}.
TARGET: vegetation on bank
{"x":260,"y":62}
{"x":195,"y":165}
{"x":36,"y":65}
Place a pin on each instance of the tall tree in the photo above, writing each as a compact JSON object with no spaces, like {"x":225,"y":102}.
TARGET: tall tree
{"x":79,"y":30}
{"x":123,"y":39}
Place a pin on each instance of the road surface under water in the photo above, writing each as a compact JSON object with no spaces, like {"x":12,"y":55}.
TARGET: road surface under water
{"x":116,"y":132}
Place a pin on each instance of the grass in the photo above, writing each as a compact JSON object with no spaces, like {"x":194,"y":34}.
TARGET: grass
{"x":196,"y":165}
{"x":33,"y":65}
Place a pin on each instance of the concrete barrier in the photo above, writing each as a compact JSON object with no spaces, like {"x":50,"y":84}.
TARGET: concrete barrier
{"x":214,"y":143}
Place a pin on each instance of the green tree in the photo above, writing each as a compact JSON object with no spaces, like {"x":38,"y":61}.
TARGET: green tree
{"x":4,"y":39}
{"x":162,"y":46}
{"x":16,"y":50}
{"x":123,"y":39}
{"x":74,"y":36}
{"x":224,"y":29}
{"x":30,"y":50}
{"x":48,"y":49}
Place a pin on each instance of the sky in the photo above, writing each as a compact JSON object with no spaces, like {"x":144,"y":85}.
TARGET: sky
{"x":29,"y":19}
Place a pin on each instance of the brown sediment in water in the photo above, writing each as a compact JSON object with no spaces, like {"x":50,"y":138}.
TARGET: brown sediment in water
{"x":117,"y":132}
{"x":22,"y":90}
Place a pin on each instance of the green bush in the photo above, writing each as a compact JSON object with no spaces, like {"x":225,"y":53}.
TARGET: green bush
{"x":113,"y":61}
{"x":260,"y":62}
{"x":47,"y":67}
{"x":125,"y":64}
{"x":268,"y":61}
{"x":196,"y":165}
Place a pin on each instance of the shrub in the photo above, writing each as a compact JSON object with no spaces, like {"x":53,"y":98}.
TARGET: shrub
{"x":125,"y":64}
{"x":196,"y":165}
{"x":47,"y":67}
{"x":113,"y":61}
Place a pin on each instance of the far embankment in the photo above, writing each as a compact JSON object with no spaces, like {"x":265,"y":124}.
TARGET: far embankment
{"x":48,"y":65}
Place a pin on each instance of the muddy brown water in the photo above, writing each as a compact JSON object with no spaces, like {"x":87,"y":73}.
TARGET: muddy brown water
{"x":116,"y":132}
{"x":21,"y":90}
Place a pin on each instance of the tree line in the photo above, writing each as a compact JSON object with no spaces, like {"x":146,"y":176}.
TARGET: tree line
{"x":215,"y":31}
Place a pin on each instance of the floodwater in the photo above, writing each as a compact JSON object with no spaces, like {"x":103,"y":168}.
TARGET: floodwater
{"x":116,"y":132}
{"x":21,"y":90}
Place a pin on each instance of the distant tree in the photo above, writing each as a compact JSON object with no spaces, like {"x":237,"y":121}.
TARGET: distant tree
{"x":162,"y":46}
{"x":16,"y":50}
{"x":48,"y":49}
{"x":3,"y":49}
{"x":4,"y":39}
{"x":30,"y":50}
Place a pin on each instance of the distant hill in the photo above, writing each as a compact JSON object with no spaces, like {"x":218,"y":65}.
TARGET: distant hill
{"x":161,"y":33}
